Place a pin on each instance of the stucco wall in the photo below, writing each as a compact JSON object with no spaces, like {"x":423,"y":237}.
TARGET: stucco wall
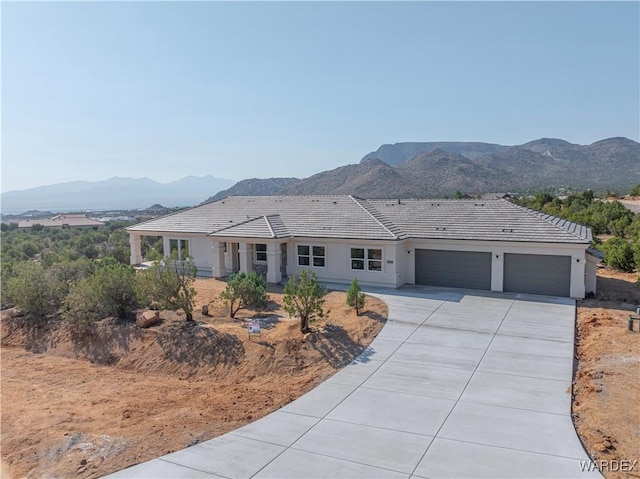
{"x":590,"y":275}
{"x":398,"y":259}
{"x":338,"y":262}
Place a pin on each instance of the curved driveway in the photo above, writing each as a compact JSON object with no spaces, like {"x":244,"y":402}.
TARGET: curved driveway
{"x":457,"y":384}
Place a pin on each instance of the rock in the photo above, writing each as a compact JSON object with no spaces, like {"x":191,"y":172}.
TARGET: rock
{"x":147,"y":318}
{"x":12,"y":313}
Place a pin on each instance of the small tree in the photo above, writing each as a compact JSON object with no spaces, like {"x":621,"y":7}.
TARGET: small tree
{"x":244,"y":290}
{"x":355,"y":297}
{"x":170,"y":285}
{"x":304,"y":298}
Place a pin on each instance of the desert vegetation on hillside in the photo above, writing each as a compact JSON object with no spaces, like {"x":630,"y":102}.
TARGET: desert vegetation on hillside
{"x":607,"y":218}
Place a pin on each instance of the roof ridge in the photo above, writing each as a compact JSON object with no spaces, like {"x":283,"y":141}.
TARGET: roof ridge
{"x":266,"y":219}
{"x":369,"y":209}
{"x":554,"y":220}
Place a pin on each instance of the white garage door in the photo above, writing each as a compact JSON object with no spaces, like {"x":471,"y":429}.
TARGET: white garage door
{"x":537,"y":274}
{"x":457,"y":269}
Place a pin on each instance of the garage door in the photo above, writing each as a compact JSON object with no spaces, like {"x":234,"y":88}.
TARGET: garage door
{"x":537,"y":274}
{"x":457,"y":269}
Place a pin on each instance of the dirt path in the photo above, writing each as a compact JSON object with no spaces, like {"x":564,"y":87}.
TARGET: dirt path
{"x":87,"y":405}
{"x":606,"y":405}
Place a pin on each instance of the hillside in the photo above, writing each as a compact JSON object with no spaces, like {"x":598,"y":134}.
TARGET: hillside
{"x":255,"y":187}
{"x":114,"y":193}
{"x":611,"y":164}
{"x":441,"y":169}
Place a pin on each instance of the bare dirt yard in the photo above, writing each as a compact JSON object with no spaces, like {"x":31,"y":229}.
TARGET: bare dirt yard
{"x":88,"y":404}
{"x":606,"y":405}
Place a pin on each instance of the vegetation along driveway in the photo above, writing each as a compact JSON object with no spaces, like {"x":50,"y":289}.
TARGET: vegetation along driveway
{"x":457,"y":384}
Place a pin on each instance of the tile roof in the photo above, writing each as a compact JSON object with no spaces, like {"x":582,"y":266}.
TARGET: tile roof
{"x":349,"y":217}
{"x":485,"y":220}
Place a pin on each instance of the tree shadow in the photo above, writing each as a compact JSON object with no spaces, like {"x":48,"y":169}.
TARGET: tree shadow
{"x":39,"y":335}
{"x":375,"y":316}
{"x":190,"y":343}
{"x":103,"y":343}
{"x":335,"y":345}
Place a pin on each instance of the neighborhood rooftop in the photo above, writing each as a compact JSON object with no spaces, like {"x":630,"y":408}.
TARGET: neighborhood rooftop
{"x":349,"y":217}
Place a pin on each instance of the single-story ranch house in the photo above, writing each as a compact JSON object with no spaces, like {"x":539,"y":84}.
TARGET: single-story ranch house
{"x":488,"y":245}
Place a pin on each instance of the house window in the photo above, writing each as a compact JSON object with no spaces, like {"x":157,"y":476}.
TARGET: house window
{"x":311,"y":256}
{"x":366,"y":259}
{"x":261,"y":253}
{"x":179,"y":248}
{"x":374,"y":259}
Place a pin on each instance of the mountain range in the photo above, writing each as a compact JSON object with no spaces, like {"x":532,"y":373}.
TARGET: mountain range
{"x":399,"y":170}
{"x":112,"y":194}
{"x":436,"y":169}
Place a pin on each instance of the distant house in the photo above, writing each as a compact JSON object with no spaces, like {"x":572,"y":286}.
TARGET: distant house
{"x":61,"y":221}
{"x":490,"y":245}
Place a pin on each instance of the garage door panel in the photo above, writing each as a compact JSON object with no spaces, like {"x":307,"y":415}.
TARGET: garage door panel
{"x":456,"y":269}
{"x":537,"y":274}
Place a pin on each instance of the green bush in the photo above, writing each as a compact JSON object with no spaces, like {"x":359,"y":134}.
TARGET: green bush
{"x":30,"y":290}
{"x":619,"y":254}
{"x":244,"y":290}
{"x":109,"y":291}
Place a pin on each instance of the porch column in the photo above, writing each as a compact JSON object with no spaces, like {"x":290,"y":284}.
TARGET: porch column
{"x":497,"y":271}
{"x":274,"y":257}
{"x":219,"y":270}
{"x":136,"y":248}
{"x":246,"y":257}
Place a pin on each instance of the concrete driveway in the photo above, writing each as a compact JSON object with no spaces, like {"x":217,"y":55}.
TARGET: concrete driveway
{"x":457,"y":384}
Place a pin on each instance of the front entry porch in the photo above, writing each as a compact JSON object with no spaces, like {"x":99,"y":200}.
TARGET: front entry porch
{"x":267,"y":259}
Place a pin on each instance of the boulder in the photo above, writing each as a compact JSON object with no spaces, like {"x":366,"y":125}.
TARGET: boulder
{"x":147,"y":318}
{"x":12,"y":313}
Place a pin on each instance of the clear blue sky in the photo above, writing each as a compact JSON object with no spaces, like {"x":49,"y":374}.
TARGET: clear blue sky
{"x":238,"y":90}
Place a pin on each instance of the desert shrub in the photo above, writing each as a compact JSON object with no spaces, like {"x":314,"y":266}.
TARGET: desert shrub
{"x":618,"y":254}
{"x":30,"y":290}
{"x":81,"y":306}
{"x":635,"y":248}
{"x":304,"y":298}
{"x":244,"y":290}
{"x":109,"y":291}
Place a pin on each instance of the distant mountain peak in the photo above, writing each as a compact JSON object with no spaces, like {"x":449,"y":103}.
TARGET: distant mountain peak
{"x":113,"y":193}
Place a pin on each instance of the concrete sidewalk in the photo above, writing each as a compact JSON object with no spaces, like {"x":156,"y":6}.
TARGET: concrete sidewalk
{"x":457,"y":384}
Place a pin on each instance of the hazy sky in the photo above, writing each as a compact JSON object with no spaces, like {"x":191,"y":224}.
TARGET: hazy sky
{"x":238,"y":90}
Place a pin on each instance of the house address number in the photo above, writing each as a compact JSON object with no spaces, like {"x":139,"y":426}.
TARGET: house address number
{"x":389,"y":261}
